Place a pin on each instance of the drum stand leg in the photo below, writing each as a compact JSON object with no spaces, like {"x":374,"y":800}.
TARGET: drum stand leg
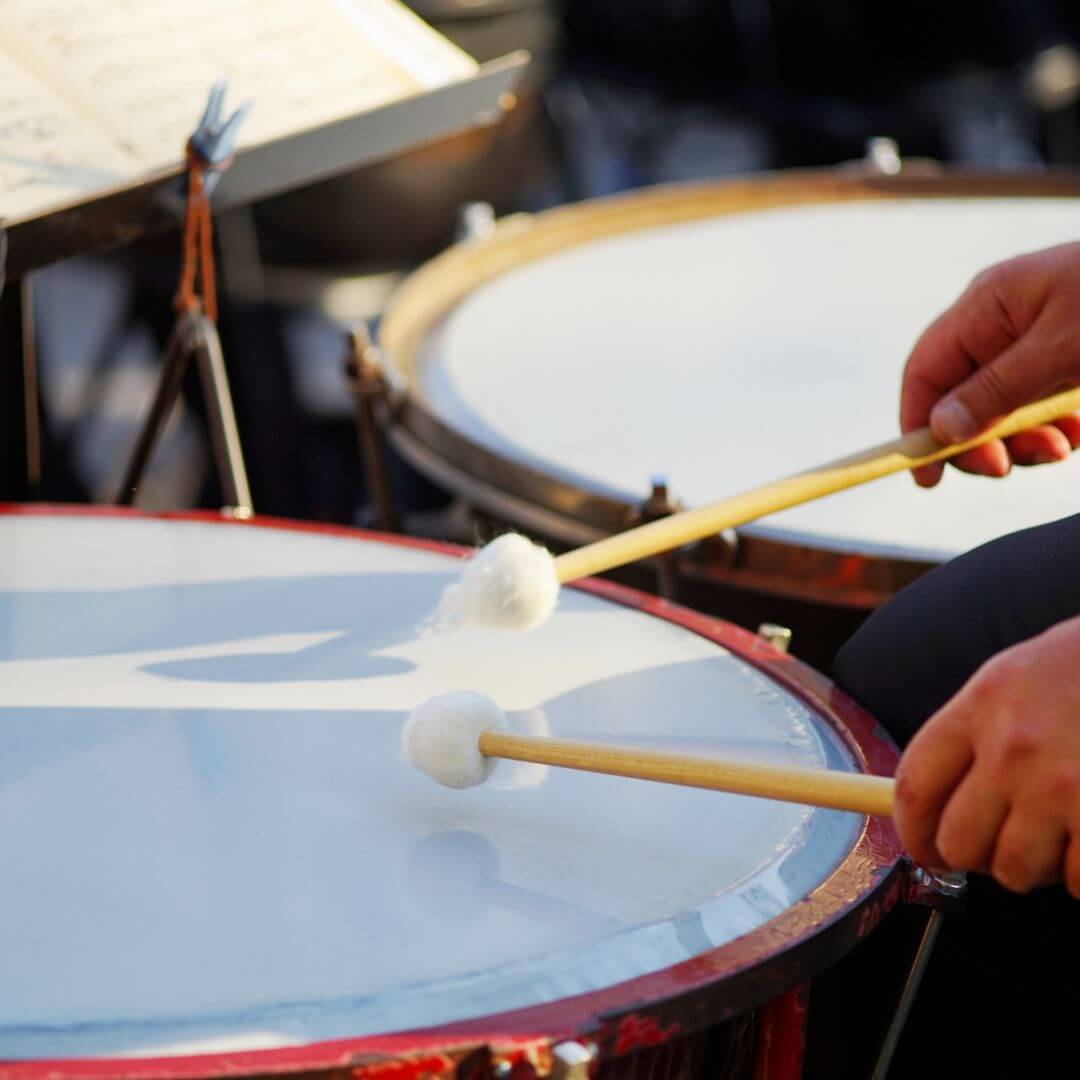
{"x":943,"y":894}
{"x":369,"y":389}
{"x":194,"y":336}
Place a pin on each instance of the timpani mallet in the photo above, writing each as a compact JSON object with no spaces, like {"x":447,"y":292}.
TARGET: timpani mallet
{"x":513,"y":583}
{"x":454,"y":739}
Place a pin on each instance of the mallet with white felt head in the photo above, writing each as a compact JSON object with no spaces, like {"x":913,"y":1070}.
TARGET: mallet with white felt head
{"x":456,"y":737}
{"x":514,"y":584}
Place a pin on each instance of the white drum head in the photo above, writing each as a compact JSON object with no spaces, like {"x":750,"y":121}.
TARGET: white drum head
{"x":210,"y":842}
{"x":730,"y":351}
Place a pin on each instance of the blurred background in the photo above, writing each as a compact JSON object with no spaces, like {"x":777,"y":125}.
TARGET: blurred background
{"x":621,"y":94}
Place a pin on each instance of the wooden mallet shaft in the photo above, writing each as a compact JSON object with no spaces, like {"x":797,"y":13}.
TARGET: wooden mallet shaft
{"x":813,"y":787}
{"x":912,"y":450}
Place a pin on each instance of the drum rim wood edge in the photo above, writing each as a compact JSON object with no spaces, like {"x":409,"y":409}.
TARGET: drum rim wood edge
{"x":640,"y":1013}
{"x":572,"y":512}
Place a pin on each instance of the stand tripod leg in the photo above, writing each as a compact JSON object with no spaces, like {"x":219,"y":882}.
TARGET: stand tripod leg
{"x":174,"y":365}
{"x":907,"y":996}
{"x":224,"y":436}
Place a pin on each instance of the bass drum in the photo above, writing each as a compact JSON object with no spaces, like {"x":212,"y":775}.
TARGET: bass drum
{"x":216,"y":863}
{"x":718,"y":336}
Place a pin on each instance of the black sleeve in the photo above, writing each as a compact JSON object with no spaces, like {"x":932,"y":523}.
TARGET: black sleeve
{"x":916,"y":651}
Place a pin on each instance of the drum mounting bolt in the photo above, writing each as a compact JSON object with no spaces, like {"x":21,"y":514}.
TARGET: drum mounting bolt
{"x":572,"y":1060}
{"x":476,"y":221}
{"x":501,"y":1070}
{"x":883,"y":156}
{"x":779,"y":637}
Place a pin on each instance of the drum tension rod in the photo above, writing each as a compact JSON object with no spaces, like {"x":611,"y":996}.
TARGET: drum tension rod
{"x":942,"y":894}
{"x":368,"y":386}
{"x":658,"y":505}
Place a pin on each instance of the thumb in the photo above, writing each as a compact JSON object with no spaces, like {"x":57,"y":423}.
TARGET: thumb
{"x":1015,"y":377}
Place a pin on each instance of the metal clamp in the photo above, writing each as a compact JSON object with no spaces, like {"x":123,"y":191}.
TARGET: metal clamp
{"x":214,"y":139}
{"x":943,"y":892}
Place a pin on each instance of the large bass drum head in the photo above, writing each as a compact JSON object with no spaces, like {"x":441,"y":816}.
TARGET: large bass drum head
{"x":212,"y":847}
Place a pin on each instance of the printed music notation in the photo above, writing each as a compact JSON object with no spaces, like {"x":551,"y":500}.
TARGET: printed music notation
{"x":94,"y":95}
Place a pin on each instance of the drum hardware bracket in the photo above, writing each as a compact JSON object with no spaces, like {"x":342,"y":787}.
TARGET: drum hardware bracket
{"x":722,"y":549}
{"x":779,"y":637}
{"x":209,"y":153}
{"x":475,"y":221}
{"x":883,"y":156}
{"x":369,"y":388}
{"x":659,"y":504}
{"x":942,"y":892}
{"x":572,"y":1060}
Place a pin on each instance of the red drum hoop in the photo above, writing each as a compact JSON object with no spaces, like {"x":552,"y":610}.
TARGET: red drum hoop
{"x":643,"y":1012}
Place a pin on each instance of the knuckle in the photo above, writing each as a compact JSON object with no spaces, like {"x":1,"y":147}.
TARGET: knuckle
{"x":1062,"y":787}
{"x":995,"y":675}
{"x":1012,"y":869}
{"x":1018,"y":744}
{"x":999,"y":681}
{"x":994,"y":388}
{"x":912,"y":794}
{"x":987,"y":280}
{"x":954,"y":848}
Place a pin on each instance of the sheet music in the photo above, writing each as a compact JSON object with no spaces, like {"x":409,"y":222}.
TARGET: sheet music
{"x":135,"y":74}
{"x":48,"y":152}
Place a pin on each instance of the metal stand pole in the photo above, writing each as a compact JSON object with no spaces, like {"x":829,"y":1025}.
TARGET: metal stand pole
{"x":173,"y":369}
{"x":366,"y":381}
{"x":224,"y":436}
{"x":907,"y":995}
{"x":942,"y":893}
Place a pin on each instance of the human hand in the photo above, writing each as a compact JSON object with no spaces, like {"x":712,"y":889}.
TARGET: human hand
{"x":1011,"y":338}
{"x":991,"y":782}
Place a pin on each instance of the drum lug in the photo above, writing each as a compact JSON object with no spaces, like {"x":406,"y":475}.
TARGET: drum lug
{"x":883,"y":156}
{"x":368,"y":386}
{"x":779,"y":637}
{"x":659,"y":504}
{"x":475,"y":221}
{"x":572,"y":1060}
{"x":942,"y":892}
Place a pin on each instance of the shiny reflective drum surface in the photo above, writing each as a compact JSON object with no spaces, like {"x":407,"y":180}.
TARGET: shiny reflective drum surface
{"x":720,"y":336}
{"x":216,"y":862}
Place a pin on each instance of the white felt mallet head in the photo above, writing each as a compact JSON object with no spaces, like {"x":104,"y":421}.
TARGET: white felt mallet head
{"x":509,"y":584}
{"x":442,"y":737}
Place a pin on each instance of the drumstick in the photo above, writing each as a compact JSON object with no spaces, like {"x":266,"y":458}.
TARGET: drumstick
{"x":454,"y":737}
{"x":514,"y":584}
{"x":908,"y":452}
{"x":785,"y":783}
